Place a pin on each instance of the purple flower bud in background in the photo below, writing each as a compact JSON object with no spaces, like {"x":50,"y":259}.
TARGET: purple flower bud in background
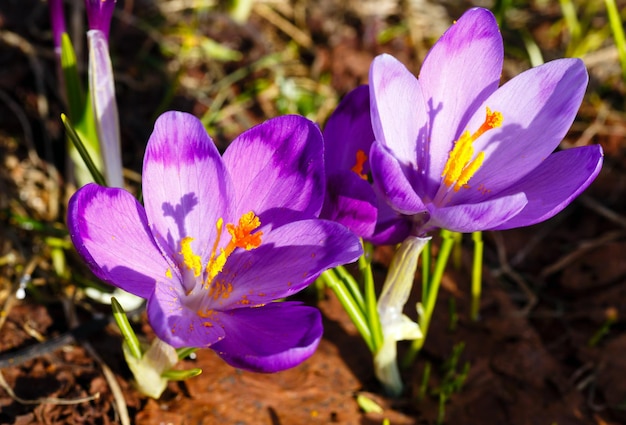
{"x":99,"y":14}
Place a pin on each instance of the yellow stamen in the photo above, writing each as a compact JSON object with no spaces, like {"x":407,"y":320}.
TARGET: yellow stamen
{"x":211,"y":264}
{"x":360,"y":162}
{"x":241,"y":237}
{"x":191,"y":260}
{"x":460,"y":167}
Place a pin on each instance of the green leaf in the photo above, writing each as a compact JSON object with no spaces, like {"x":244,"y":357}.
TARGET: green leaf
{"x":73,"y":87}
{"x":181,"y":375}
{"x":134,"y":348}
{"x":82,"y":150}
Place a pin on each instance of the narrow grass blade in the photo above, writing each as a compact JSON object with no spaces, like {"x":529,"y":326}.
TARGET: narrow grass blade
{"x":615,"y":21}
{"x":127,"y":331}
{"x":82,"y":150}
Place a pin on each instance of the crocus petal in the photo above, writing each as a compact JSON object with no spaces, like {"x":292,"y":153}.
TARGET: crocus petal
{"x":467,"y":218}
{"x":398,"y":112}
{"x":102,"y":91}
{"x":392,"y":231}
{"x":351,"y":201}
{"x":278,"y":164}
{"x":538,"y":107}
{"x":555,"y":183}
{"x":287,"y":260}
{"x":110,"y":231}
{"x":391,"y":227}
{"x":457,"y":75}
{"x":392,"y":182}
{"x":270,"y":338}
{"x":348,"y":130}
{"x":177,"y":323}
{"x":185,"y":185}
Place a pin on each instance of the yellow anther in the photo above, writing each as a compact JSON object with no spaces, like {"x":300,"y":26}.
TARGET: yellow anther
{"x":192,"y":261}
{"x":469,"y":171}
{"x":460,"y":167}
{"x":360,"y":162}
{"x":241,"y":237}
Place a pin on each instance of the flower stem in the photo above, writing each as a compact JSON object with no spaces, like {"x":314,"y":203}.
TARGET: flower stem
{"x":352,"y":286}
{"x":426,"y":261}
{"x":477,"y":274}
{"x":371,"y":311}
{"x":431,"y":298}
{"x":127,"y":331}
{"x":349,"y":304}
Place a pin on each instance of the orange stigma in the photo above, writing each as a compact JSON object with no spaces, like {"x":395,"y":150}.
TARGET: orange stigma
{"x":241,"y":236}
{"x":462,"y":165}
{"x":360,"y":162}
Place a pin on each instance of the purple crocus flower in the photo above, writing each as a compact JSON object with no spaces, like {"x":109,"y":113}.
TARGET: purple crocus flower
{"x":454,"y":150}
{"x":350,"y":198}
{"x":220,"y":238}
{"x":99,"y":14}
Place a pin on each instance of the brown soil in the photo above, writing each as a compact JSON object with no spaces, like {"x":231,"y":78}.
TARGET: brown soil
{"x":535,"y":356}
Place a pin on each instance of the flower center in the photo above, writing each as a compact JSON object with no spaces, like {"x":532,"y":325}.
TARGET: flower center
{"x":360,"y":162}
{"x":462,"y":164}
{"x":241,"y":236}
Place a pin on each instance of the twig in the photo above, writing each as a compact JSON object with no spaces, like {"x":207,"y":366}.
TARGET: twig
{"x":602,"y":210}
{"x":284,"y":25}
{"x":583,"y":248}
{"x":537,"y":237}
{"x":505,"y":269}
{"x":118,"y":395}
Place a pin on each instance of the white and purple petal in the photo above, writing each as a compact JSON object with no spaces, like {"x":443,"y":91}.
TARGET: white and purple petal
{"x":110,"y":231}
{"x":289,"y":258}
{"x":182,"y":319}
{"x":392,"y":182}
{"x":538,"y":108}
{"x":460,"y":71}
{"x":554,"y":184}
{"x":278,"y":165}
{"x":398,"y":113}
{"x":349,"y":130}
{"x":467,"y":218}
{"x":350,"y":201}
{"x":270,"y":338}
{"x":391,"y":227}
{"x":186,"y":187}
